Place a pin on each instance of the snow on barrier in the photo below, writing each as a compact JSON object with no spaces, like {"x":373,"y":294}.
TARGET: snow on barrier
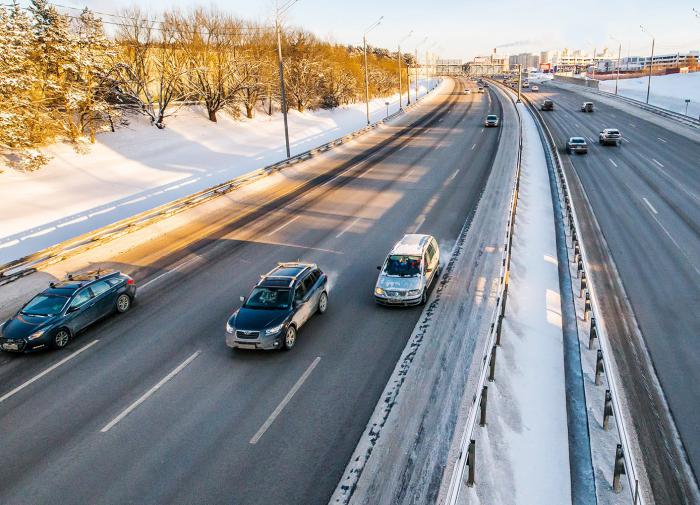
{"x":466,"y":460}
{"x":622,"y":461}
{"x":29,"y":264}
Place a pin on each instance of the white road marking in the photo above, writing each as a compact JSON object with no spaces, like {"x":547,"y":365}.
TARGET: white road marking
{"x":174,"y":269}
{"x":419,"y":223}
{"x":633,"y":125}
{"x":78,"y":220}
{"x":409,"y":173}
{"x":283,"y":226}
{"x":348,"y":227}
{"x":482,"y":130}
{"x":680,"y":186}
{"x":658,"y":163}
{"x":453,"y":175}
{"x":402,"y":147}
{"x":284,"y":401}
{"x":473,"y":147}
{"x":149,"y":393}
{"x":611,"y":161}
{"x":668,"y":234}
{"x":650,"y":205}
{"x":47,"y":371}
{"x":662,"y":140}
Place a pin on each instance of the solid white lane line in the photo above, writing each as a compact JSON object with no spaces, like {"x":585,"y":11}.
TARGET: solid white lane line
{"x":352,"y":223}
{"x":668,"y":234}
{"x":611,"y":161}
{"x":650,"y":205}
{"x":174,"y":269}
{"x":150,"y":392}
{"x":284,"y":401}
{"x":473,"y":147}
{"x":48,"y":370}
{"x":662,"y":140}
{"x":283,"y":226}
{"x":657,"y":163}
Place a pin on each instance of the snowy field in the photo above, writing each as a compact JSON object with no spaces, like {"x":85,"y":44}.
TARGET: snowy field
{"x":140,"y":167}
{"x":667,"y":91}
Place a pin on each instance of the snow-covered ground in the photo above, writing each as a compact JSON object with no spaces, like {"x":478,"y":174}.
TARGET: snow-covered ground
{"x":667,"y":91}
{"x":522,"y":454}
{"x":140,"y":167}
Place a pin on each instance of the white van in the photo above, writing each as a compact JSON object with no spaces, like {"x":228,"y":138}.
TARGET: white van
{"x":408,"y":271}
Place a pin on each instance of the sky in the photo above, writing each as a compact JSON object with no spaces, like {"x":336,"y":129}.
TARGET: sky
{"x":467,"y":28}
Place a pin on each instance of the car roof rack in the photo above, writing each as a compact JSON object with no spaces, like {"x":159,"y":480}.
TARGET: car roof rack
{"x":292,"y":278}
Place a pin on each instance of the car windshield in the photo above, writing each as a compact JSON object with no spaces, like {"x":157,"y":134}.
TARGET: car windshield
{"x":403,"y":266}
{"x":44,"y":305}
{"x":268,"y":298}
{"x":613,"y":132}
{"x":491,"y":117}
{"x":578,"y":140}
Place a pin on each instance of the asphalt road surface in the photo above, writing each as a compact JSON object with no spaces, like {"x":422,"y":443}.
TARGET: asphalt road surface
{"x":154,"y":408}
{"x":646,"y":198}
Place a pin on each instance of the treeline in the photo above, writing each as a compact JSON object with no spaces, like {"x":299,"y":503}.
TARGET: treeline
{"x":63,"y":76}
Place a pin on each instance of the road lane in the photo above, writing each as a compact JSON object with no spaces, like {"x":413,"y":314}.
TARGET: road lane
{"x":190,"y":442}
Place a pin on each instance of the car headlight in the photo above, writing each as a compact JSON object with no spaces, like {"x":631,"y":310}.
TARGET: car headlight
{"x":274,"y":329}
{"x":229,"y":328}
{"x":414,"y":292}
{"x":36,"y":335}
{"x":379,"y":291}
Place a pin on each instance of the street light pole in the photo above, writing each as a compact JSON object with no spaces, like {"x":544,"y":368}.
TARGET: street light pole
{"x":364,"y":49}
{"x":416,"y":64}
{"x":408,"y":84}
{"x":520,"y":80}
{"x":619,"y":54}
{"x":651,"y":63}
{"x":278,"y":13}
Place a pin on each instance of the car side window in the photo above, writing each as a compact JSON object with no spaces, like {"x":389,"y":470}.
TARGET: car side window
{"x":81,"y":297}
{"x":100,"y":288}
{"x":113,"y":281}
{"x":309,"y":283}
{"x":431,"y":251}
{"x":299,"y":293}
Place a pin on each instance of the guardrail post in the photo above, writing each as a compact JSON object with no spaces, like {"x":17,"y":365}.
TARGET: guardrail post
{"x":579,"y":267}
{"x":471,"y":456}
{"x":593,"y":334}
{"x":619,"y":468}
{"x":584,"y":283}
{"x":492,"y":363}
{"x":499,"y":328}
{"x":482,"y":404}
{"x":577,"y":252}
{"x":587,"y":306}
{"x":598,"y":366}
{"x":607,"y":409}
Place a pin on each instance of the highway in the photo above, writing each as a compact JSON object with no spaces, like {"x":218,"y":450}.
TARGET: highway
{"x":152,"y":407}
{"x":645,"y":196}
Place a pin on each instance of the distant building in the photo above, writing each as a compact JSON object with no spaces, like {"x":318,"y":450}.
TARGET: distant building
{"x":448,"y":67}
{"x":525,"y":60}
{"x":487,"y":65}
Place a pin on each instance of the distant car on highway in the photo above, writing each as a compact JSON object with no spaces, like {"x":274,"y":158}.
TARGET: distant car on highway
{"x":610,"y":136}
{"x":57,"y":314}
{"x":468,"y":91}
{"x":535,"y":87}
{"x":547,"y":104}
{"x":491,"y":120}
{"x":526,"y":84}
{"x":587,"y":107}
{"x":480,"y":89}
{"x":408,"y":272}
{"x":577,"y":145}
{"x":279,"y":305}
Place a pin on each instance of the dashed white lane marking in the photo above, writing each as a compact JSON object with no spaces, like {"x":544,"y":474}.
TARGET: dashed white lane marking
{"x":419,"y":223}
{"x":352,"y":223}
{"x":657,"y":162}
{"x":454,"y":174}
{"x":284,"y":401}
{"x":668,"y":234}
{"x":47,"y":371}
{"x":650,"y":205}
{"x":662,"y":140}
{"x":283,"y":226}
{"x":482,"y":130}
{"x":473,"y":147}
{"x":149,"y":393}
{"x":402,"y":147}
{"x":611,"y":161}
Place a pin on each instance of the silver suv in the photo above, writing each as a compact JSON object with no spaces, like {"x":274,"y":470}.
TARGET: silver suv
{"x":408,"y":271}
{"x":610,"y":136}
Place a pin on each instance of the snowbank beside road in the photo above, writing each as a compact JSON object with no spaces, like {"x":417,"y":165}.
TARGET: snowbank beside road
{"x":667,"y":91}
{"x":141,"y":167}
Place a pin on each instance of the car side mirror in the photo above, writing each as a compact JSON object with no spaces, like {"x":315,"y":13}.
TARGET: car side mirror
{"x":72,"y":309}
{"x":242,"y":299}
{"x":379,"y":267}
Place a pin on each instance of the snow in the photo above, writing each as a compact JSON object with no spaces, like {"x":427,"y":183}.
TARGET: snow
{"x":522,"y":454}
{"x":539,"y":77}
{"x":667,"y":91}
{"x":140,"y":167}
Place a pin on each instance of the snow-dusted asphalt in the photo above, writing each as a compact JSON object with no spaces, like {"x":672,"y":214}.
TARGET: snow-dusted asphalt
{"x":189,"y":439}
{"x":646,"y":198}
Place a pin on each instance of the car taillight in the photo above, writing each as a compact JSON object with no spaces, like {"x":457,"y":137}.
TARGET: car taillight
{"x":129,"y":282}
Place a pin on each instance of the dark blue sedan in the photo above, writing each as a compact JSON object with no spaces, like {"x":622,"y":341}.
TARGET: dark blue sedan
{"x":53,"y":317}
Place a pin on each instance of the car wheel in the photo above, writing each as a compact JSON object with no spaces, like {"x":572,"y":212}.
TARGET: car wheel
{"x":424,"y":298}
{"x":290,"y":338}
{"x":60,"y":339}
{"x":323,"y":303}
{"x":123,"y":303}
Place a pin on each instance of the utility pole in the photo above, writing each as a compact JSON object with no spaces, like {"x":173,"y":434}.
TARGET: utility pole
{"x":278,"y":13}
{"x":593,"y":62}
{"x":416,"y":64}
{"x":520,"y":80}
{"x":408,"y":85}
{"x":364,"y":49}
{"x":651,"y":62}
{"x":619,"y":54}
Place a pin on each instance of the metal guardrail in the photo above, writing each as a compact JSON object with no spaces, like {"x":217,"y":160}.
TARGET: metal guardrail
{"x":467,"y":445}
{"x":630,"y":468}
{"x":26,"y":265}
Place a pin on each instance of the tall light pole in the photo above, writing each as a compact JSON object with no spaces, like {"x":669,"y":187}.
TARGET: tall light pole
{"x":416,"y":63}
{"x":651,"y":63}
{"x":364,"y":49}
{"x":593,"y":62}
{"x":408,"y":84}
{"x":619,"y":54}
{"x":428,"y":78}
{"x":278,"y":13}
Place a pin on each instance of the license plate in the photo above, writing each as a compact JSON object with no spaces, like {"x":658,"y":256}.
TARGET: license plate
{"x":10,"y":347}
{"x":246,"y":346}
